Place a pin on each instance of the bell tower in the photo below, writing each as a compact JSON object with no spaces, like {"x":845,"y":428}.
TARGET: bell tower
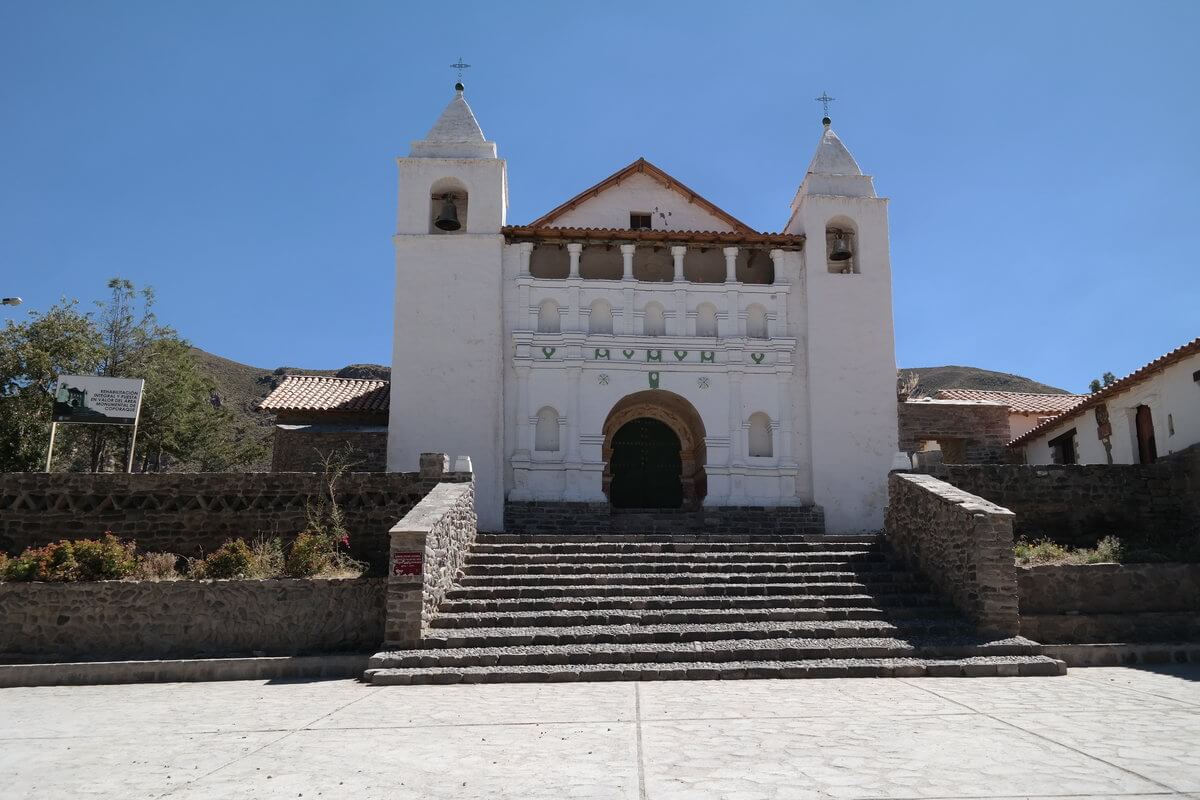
{"x":850,"y":342}
{"x":448,"y":354}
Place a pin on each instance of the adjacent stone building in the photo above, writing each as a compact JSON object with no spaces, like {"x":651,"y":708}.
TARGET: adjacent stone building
{"x":316,"y":414}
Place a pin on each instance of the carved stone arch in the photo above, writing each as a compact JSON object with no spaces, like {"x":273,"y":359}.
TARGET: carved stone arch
{"x":682,"y":418}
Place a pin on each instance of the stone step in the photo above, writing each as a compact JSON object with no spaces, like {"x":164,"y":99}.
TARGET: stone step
{"x":790,"y":585}
{"x":799,"y":564}
{"x":978,"y":666}
{"x":642,"y":602}
{"x":797,"y":584}
{"x":822,"y":628}
{"x":628,"y":548}
{"x":500,"y":619}
{"x":776,"y":649}
{"x":490,"y":560}
{"x":667,"y":538}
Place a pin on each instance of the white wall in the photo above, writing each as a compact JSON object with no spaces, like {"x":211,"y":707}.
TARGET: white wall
{"x":448,"y":347}
{"x":641,"y":193}
{"x":1171,"y":392}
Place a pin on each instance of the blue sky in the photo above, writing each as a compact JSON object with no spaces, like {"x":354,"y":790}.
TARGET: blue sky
{"x":1040,"y":158}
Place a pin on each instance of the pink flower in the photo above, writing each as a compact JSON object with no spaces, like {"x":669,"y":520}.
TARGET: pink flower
{"x":345,"y":540}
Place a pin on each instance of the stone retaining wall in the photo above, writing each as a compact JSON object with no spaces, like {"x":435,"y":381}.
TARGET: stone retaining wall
{"x":428,"y":547}
{"x":183,"y":619}
{"x":1073,"y":603}
{"x":300,"y":450}
{"x":589,"y":518}
{"x":961,"y":543}
{"x":189,"y":513}
{"x":1080,"y":504}
{"x":970,"y":433}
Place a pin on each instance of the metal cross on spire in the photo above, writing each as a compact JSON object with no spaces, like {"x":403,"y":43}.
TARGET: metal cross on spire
{"x":460,"y":66}
{"x":825,"y":100}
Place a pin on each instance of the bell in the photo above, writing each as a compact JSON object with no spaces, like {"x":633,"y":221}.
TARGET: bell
{"x":447,"y":220}
{"x":841,"y":248}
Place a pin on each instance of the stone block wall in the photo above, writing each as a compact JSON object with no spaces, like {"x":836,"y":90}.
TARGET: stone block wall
{"x":1079,"y":504}
{"x":188,"y":513}
{"x":961,"y":543}
{"x":978,"y":431}
{"x":428,"y":547}
{"x":181,"y":619}
{"x":1071,"y":604}
{"x":591,"y":518}
{"x":300,"y":450}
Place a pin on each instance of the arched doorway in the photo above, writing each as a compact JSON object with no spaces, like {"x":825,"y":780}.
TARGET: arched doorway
{"x":645,"y":466}
{"x":654,"y":452}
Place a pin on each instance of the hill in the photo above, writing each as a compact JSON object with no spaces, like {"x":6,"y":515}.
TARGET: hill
{"x":933,"y":379}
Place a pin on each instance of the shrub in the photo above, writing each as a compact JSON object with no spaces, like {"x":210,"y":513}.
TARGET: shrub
{"x":1107,"y":550}
{"x":310,"y":553}
{"x":157,"y":567}
{"x":1042,"y":551}
{"x":54,"y":562}
{"x":234,"y":559}
{"x":267,"y":558}
{"x":106,"y":559}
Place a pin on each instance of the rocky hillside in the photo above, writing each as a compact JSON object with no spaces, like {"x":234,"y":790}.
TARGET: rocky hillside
{"x":933,"y":379}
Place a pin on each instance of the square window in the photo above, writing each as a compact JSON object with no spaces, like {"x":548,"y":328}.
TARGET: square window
{"x":639,"y":221}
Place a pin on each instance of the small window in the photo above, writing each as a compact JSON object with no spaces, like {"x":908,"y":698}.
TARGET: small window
{"x":639,"y":221}
{"x":1062,"y":448}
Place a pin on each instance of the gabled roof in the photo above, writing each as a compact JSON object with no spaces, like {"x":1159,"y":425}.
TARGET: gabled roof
{"x":1017,"y":402}
{"x":525,"y":233}
{"x":1124,"y":384}
{"x":642,"y":167}
{"x":323,"y":393}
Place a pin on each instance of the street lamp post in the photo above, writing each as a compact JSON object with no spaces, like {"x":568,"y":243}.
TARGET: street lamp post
{"x":10,"y":301}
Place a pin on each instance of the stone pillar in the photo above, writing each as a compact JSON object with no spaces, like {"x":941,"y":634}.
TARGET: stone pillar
{"x":434,"y":465}
{"x":627,"y":251}
{"x":574,"y":249}
{"x":784,"y":449}
{"x":731,"y":254}
{"x":573,"y":413}
{"x":777,"y":260}
{"x":526,"y":251}
{"x":737,"y":435}
{"x":678,"y":253}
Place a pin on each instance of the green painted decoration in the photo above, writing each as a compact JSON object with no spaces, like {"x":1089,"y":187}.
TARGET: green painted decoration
{"x":654,"y":355}
{"x":627,"y":353}
{"x":707,"y":355}
{"x":653,"y":379}
{"x":601,"y":352}
{"x":758,"y":357}
{"x":548,"y":351}
{"x":680,"y":355}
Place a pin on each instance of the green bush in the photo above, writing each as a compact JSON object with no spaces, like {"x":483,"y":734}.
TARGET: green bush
{"x":234,"y":559}
{"x":1042,"y":551}
{"x":80,"y":560}
{"x":310,"y":554}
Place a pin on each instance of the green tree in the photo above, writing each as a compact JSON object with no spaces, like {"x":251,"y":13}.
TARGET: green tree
{"x":179,"y":427}
{"x":1104,"y":381}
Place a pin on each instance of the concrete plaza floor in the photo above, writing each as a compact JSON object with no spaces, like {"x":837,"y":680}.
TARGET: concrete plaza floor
{"x":1100,"y":732}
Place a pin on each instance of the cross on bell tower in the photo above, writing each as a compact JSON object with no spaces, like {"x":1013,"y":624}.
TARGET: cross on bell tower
{"x":825,"y":100}
{"x":460,"y":65}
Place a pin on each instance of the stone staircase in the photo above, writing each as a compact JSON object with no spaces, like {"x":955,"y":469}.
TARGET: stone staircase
{"x":660,"y":606}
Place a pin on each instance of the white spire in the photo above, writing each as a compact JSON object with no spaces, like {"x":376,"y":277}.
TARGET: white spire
{"x":832,"y":157}
{"x":456,"y":134}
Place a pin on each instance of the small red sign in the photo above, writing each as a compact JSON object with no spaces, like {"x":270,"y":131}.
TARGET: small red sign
{"x":406,"y":563}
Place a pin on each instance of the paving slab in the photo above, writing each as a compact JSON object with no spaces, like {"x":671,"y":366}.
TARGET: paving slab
{"x":1096,"y":733}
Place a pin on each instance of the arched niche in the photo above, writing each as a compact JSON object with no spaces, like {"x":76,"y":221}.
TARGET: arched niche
{"x":756,"y":322}
{"x":600,"y":317}
{"x":841,"y":236}
{"x":759,"y":436}
{"x":545,"y":435}
{"x":549,"y":317}
{"x":684,"y":421}
{"x":654,"y":320}
{"x":455,"y":191}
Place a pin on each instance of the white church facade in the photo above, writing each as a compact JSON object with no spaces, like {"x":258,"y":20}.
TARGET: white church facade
{"x":639,"y":346}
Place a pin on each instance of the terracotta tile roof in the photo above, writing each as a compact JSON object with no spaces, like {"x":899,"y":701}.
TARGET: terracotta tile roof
{"x":542,"y":233}
{"x":1128,"y":382}
{"x":646,"y":168}
{"x":1017,"y":402}
{"x":322,"y":393}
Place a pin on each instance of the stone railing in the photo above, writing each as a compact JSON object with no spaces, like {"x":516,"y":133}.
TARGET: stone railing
{"x":961,"y":543}
{"x":428,"y":548}
{"x":183,"y":619}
